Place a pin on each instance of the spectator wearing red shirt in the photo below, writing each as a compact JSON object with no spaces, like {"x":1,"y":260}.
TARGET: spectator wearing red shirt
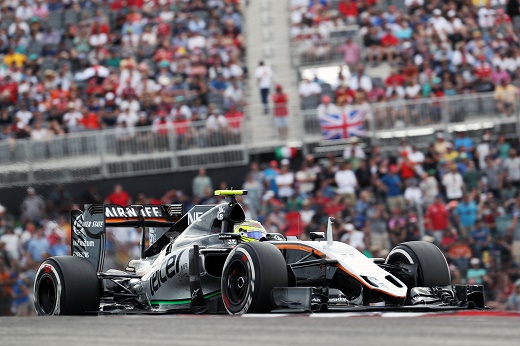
{"x":437,"y":216}
{"x":234,"y":118}
{"x":483,"y":69}
{"x":389,"y":42}
{"x":349,"y":9}
{"x":394,"y":79}
{"x":119,"y":197}
{"x":280,"y":111}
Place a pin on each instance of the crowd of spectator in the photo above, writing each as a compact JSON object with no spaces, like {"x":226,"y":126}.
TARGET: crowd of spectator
{"x":433,"y":49}
{"x":70,"y":66}
{"x":462,"y":195}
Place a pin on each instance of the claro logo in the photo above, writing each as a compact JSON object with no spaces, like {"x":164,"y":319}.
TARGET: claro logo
{"x":165,"y":272}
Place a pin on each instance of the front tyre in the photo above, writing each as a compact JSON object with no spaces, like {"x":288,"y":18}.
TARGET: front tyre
{"x":424,"y":265}
{"x":251,"y":271}
{"x":66,"y":285}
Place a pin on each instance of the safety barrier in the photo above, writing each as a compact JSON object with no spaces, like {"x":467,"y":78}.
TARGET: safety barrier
{"x":122,"y":152}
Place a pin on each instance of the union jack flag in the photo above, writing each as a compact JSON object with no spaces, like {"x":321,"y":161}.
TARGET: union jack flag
{"x":347,"y":123}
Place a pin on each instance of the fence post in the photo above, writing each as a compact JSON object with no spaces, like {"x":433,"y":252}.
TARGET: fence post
{"x":301,"y":115}
{"x":28,"y":157}
{"x":517,"y":113}
{"x":173,"y":148}
{"x":103,"y":149}
{"x":445,"y":116}
{"x":371,"y":117}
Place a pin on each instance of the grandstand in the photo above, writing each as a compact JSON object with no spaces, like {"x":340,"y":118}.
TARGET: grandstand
{"x":104,"y":90}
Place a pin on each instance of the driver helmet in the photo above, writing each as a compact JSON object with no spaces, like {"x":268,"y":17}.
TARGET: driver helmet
{"x":250,"y":230}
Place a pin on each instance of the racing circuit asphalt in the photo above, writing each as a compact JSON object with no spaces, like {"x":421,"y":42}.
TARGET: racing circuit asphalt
{"x":265,"y":330}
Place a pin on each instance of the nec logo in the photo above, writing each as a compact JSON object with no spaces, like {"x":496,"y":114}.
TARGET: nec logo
{"x":194,"y":216}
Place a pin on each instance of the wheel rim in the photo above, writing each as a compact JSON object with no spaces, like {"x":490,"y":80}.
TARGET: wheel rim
{"x":237,"y":282}
{"x":47,"y":295}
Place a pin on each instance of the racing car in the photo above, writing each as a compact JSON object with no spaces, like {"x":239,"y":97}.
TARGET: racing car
{"x":212,"y":260}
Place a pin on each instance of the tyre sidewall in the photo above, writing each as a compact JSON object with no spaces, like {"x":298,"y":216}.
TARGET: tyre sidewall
{"x":240,"y":254}
{"x":49,"y":269}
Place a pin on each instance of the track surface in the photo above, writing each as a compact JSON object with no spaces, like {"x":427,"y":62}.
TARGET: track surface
{"x":332,"y":329}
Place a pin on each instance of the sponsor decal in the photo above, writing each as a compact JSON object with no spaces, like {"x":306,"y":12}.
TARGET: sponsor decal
{"x":166,"y":271}
{"x":338,"y":300}
{"x":93,"y":223}
{"x":220,"y":213}
{"x":195,"y":216}
{"x":152,"y":236}
{"x":194,"y":294}
{"x":77,"y":226}
{"x":83,"y":243}
{"x":132,"y":212}
{"x":316,"y":300}
{"x":83,"y":254}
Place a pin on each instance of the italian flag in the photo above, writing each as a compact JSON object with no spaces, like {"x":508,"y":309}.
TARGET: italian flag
{"x":285,"y":152}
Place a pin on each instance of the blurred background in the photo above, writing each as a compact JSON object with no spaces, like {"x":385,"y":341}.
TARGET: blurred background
{"x":398,"y":117}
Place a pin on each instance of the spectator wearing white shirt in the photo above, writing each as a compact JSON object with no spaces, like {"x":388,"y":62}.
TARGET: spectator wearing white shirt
{"x":326,"y":107}
{"x":264,"y":79}
{"x":23,"y":116}
{"x":353,"y":237}
{"x":413,"y":194}
{"x":346,"y":181}
{"x":511,"y":166}
{"x":308,"y":88}
{"x":416,"y":156}
{"x":359,"y":80}
{"x":453,"y":183}
{"x":354,"y":150}
{"x":440,"y":24}
{"x":128,"y":117}
{"x":39,"y":133}
{"x":460,"y":55}
{"x":24,"y":11}
{"x":284,"y":181}
{"x":233,"y":94}
{"x":72,"y":119}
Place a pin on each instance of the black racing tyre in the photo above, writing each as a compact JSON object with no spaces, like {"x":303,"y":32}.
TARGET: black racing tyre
{"x":66,"y":285}
{"x":250,"y":273}
{"x":430,"y":263}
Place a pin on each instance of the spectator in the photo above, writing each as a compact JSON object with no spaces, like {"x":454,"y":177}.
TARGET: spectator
{"x":513,"y":301}
{"x":264,"y":78}
{"x":200,"y":183}
{"x":453,"y":183}
{"x":119,"y":197}
{"x":33,"y":206}
{"x":391,"y":184}
{"x":347,"y":182}
{"x":280,"y":111}
{"x":351,"y":51}
{"x":308,"y":88}
{"x":306,"y":179}
{"x":285,"y":181}
{"x":476,"y":272}
{"x":505,"y":94}
{"x":480,"y":239}
{"x":437,"y":217}
{"x":512,"y":167}
{"x":466,"y":212}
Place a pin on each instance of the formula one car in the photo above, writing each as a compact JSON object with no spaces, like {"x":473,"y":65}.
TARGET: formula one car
{"x":212,"y":260}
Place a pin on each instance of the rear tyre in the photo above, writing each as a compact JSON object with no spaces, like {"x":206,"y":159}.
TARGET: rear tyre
{"x":429,"y":264}
{"x":251,"y":271}
{"x":66,"y":285}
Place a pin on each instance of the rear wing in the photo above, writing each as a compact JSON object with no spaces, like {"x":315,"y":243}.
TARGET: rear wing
{"x":89,"y":226}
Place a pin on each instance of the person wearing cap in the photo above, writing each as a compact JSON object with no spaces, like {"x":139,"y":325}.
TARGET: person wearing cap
{"x":476,"y":272}
{"x":353,"y":237}
{"x":308,"y":88}
{"x":33,"y":207}
{"x":440,"y":144}
{"x":280,"y":111}
{"x":453,"y":183}
{"x":505,"y":94}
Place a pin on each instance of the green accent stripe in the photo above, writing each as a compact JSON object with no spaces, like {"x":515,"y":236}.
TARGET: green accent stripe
{"x":182,"y":301}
